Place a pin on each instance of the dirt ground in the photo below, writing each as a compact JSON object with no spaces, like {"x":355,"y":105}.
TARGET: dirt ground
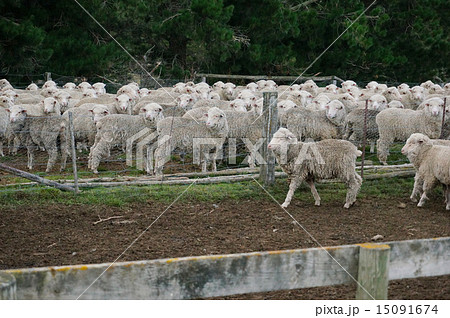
{"x":59,"y":234}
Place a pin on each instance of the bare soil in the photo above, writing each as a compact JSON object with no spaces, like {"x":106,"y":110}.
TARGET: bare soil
{"x":60,"y":234}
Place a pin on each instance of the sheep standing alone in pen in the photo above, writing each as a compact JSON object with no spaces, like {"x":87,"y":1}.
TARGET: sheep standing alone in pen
{"x":432,"y":164}
{"x":326,"y":159}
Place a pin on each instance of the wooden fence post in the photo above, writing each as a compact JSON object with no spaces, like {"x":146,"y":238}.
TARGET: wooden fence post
{"x":48,"y":76}
{"x":74,"y":153}
{"x":363,"y":157}
{"x":7,"y":286}
{"x":373,"y":271}
{"x":270,"y":126}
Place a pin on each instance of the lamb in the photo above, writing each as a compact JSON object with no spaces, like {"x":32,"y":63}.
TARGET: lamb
{"x":319,"y":102}
{"x":432,"y":164}
{"x":447,"y":89}
{"x":11,"y":94}
{"x":49,"y":84}
{"x":175,"y":132}
{"x":301,"y":98}
{"x":252,"y":86}
{"x":6,"y":102}
{"x":396,"y":124}
{"x":415,"y":97}
{"x":49,"y":91}
{"x":116,"y":129}
{"x":328,"y":159}
{"x":318,"y":125}
{"x":380,"y":88}
{"x":90,"y":93}
{"x":32,"y":87}
{"x":371,"y":85}
{"x":4,"y":83}
{"x":63,"y":99}
{"x":38,"y":131}
{"x":427,"y":84}
{"x":354,"y":130}
{"x":226,"y":92}
{"x":346,"y":85}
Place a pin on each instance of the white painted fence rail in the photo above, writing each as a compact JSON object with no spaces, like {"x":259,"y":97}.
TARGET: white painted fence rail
{"x":221,"y":275}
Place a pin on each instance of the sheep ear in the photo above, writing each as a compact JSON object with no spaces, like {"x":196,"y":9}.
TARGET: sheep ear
{"x":91,"y":110}
{"x":8,"y":110}
{"x":24,"y":111}
{"x":117,"y":99}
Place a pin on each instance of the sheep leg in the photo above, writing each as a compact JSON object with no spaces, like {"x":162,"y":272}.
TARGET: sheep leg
{"x":295,"y":182}
{"x":418,"y":185}
{"x":447,"y":196}
{"x":162,"y":155}
{"x":52,"y":157}
{"x":353,"y":186}
{"x":30,"y":151}
{"x":1,"y":149}
{"x":428,"y":185}
{"x":310,"y":183}
{"x":372,"y":147}
{"x":97,"y":153}
{"x":383,"y":150}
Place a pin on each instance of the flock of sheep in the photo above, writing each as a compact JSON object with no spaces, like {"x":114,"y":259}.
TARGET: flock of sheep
{"x":333,"y":116}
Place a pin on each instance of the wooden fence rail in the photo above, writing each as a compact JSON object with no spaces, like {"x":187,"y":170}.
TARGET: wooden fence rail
{"x":222,"y":275}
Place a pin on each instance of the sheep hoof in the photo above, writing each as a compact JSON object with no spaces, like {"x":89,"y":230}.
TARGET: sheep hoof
{"x":347,"y":206}
{"x":317,"y":203}
{"x":447,"y":207}
{"x":285,"y":205}
{"x":413,"y":199}
{"x":420,"y":204}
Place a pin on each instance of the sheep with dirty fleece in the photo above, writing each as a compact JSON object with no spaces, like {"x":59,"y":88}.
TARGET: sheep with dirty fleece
{"x":432,"y":164}
{"x":34,"y":132}
{"x":117,"y":128}
{"x":397,"y":124}
{"x":176,"y":132}
{"x":326,"y":159}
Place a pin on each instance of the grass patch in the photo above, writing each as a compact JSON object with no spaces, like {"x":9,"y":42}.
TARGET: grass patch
{"x":399,"y":188}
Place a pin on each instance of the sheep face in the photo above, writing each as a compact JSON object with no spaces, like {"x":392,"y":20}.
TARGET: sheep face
{"x":261,"y":84}
{"x":6,"y":102}
{"x":238,"y":105}
{"x":414,"y":144}
{"x":395,"y":104}
{"x":17,"y":113}
{"x":219,"y":85}
{"x":10,"y":94}
{"x":70,"y":86}
{"x":285,"y":105}
{"x":229,"y":89}
{"x":49,"y":92}
{"x":320,"y":102}
{"x":98,"y":112}
{"x":99,"y":88}
{"x":253,"y":87}
{"x":434,"y":107}
{"x":354,"y":91}
{"x":280,"y":140}
{"x":436,"y":89}
{"x":184,"y":101}
{"x":295,"y":87}
{"x":393,"y":94}
{"x":124,"y":101}
{"x":372,"y":85}
{"x":90,"y":93}
{"x":4,"y":82}
{"x":377,"y":102}
{"x":51,"y":105}
{"x":152,"y":112}
{"x":447,"y":88}
{"x":203,"y":91}
{"x":49,"y":84}
{"x":213,"y":95}
{"x":63,"y":98}
{"x":32,"y":87}
{"x":216,"y":117}
{"x":427,"y":84}
{"x":332,"y":89}
{"x":144,"y":92}
{"x":334,"y":110}
{"x":380,"y":88}
{"x":84,"y":86}
{"x":270,"y":85}
{"x":417,"y":93}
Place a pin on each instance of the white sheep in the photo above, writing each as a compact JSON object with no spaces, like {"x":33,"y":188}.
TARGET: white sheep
{"x":176,"y":132}
{"x":391,"y":94}
{"x":42,"y":131}
{"x":32,"y":87}
{"x":70,"y":86}
{"x":396,"y":124}
{"x":432,"y":164}
{"x":371,"y":85}
{"x":49,"y":84}
{"x":117,"y":128}
{"x":84,"y":86}
{"x":4,"y":83}
{"x":318,"y":125}
{"x":99,"y":88}
{"x":427,"y":84}
{"x":326,"y":159}
{"x":395,"y":104}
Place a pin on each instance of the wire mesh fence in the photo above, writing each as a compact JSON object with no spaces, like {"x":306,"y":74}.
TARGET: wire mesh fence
{"x":117,"y":166}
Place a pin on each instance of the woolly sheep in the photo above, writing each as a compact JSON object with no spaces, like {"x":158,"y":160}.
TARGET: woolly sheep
{"x":346,"y":85}
{"x":301,"y":98}
{"x":90,"y":93}
{"x":391,"y":94}
{"x":395,"y":104}
{"x":48,"y":92}
{"x":84,"y":86}
{"x":70,"y":86}
{"x":32,"y":87}
{"x":38,"y":131}
{"x":183,"y":131}
{"x":447,"y":89}
{"x":144,"y":92}
{"x":432,"y":164}
{"x":396,"y":124}
{"x":252,"y":86}
{"x":380,"y":88}
{"x":49,"y":84}
{"x":4,"y":128}
{"x":427,"y":84}
{"x":436,"y":89}
{"x":415,"y":97}
{"x":4,"y":82}
{"x":117,"y":128}
{"x":99,"y":88}
{"x":328,"y":159}
{"x":6,"y":102}
{"x":371,"y":85}
{"x":318,"y":125}
{"x":319,"y":102}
